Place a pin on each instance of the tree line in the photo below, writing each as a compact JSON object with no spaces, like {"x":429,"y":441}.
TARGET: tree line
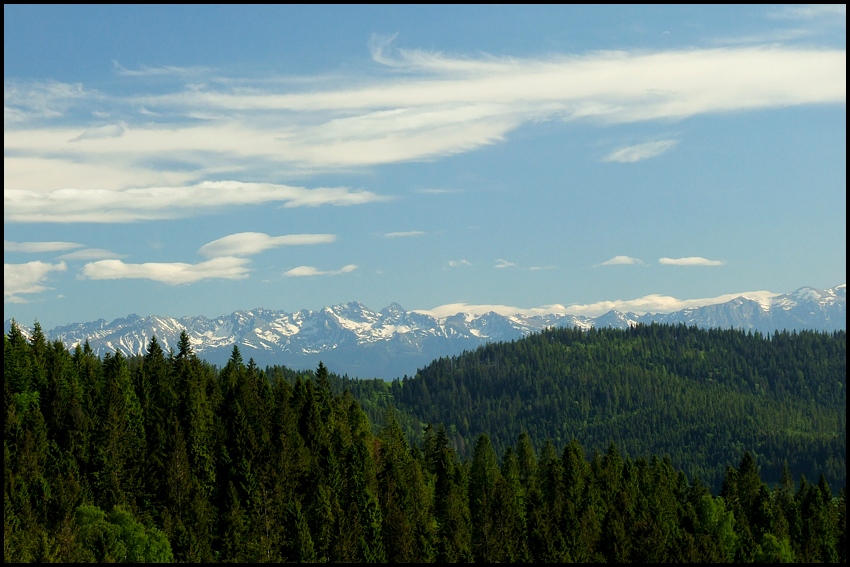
{"x":164,"y":457}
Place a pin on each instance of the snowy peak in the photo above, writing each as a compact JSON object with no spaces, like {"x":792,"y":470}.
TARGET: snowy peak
{"x":617,"y":320}
{"x":351,"y":338}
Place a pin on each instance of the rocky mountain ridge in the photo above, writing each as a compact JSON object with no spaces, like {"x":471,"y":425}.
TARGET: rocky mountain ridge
{"x":352,"y":339}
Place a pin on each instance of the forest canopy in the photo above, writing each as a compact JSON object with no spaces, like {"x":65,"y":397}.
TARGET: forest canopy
{"x":164,"y":457}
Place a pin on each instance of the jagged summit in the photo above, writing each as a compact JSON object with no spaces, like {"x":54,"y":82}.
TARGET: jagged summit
{"x":351,"y":338}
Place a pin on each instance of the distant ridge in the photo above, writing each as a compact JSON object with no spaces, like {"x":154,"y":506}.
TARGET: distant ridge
{"x":355,"y":340}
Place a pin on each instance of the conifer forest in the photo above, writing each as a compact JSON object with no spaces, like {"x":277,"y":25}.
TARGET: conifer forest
{"x":658,"y":443}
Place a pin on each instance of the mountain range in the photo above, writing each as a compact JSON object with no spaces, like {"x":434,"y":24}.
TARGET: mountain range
{"x":352,"y":339}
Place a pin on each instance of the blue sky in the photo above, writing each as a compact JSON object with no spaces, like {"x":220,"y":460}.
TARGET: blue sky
{"x":196,"y":161}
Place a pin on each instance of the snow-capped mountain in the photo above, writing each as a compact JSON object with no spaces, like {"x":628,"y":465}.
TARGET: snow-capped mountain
{"x":806,"y":308}
{"x":355,"y":340}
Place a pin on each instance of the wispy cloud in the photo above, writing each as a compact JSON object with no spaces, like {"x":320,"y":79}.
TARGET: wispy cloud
{"x":145,"y":71}
{"x":28,"y":100}
{"x":621,"y":261}
{"x":249,"y":243}
{"x":810,"y":11}
{"x":99,"y":132}
{"x":307,"y":271}
{"x":436,"y":191}
{"x":459,"y":263}
{"x":404,"y":234}
{"x":91,"y":254}
{"x":424,"y":105}
{"x":639,"y":152}
{"x":378,"y":44}
{"x":501,"y":264}
{"x":770,"y":36}
{"x":9,"y":246}
{"x":805,"y":21}
{"x":151,"y":203}
{"x":689,"y":261}
{"x":170,"y":273}
{"x":654,"y":303}
{"x":21,"y":279}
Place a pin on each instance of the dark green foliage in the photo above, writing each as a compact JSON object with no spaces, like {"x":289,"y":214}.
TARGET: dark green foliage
{"x":118,"y":537}
{"x":483,"y":476}
{"x":701,"y":396}
{"x":404,"y":496}
{"x":198,"y":464}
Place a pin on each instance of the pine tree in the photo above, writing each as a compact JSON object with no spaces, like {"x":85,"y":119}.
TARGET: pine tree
{"x":121,"y":438}
{"x":394,"y":486}
{"x":451,"y":503}
{"x":546,"y":504}
{"x":482,"y":486}
{"x":508,"y":511}
{"x":582,"y":522}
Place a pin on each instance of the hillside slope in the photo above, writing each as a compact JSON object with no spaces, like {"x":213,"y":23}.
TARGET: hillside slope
{"x":701,"y":396}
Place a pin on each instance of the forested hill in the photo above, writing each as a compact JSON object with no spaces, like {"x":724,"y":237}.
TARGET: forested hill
{"x":701,"y":396}
{"x":164,"y":458}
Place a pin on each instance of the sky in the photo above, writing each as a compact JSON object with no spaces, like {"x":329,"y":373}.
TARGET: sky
{"x":184,"y":161}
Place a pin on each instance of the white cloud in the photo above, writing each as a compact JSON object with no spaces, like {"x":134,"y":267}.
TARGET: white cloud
{"x":689,"y":261}
{"x":46,"y":174}
{"x":151,"y":203}
{"x":450,"y":309}
{"x":9,"y":246}
{"x":91,"y":254}
{"x":19,"y":279}
{"x":500,"y":264}
{"x":615,"y":85}
{"x":621,"y":260}
{"x":307,"y":271}
{"x":654,"y":303}
{"x":639,"y":152}
{"x":458,"y":263}
{"x":404,"y":234}
{"x":169,"y":273}
{"x":438,"y":106}
{"x":248,"y":243}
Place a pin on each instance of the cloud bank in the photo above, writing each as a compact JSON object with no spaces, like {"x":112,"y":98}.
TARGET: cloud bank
{"x":653,"y":303}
